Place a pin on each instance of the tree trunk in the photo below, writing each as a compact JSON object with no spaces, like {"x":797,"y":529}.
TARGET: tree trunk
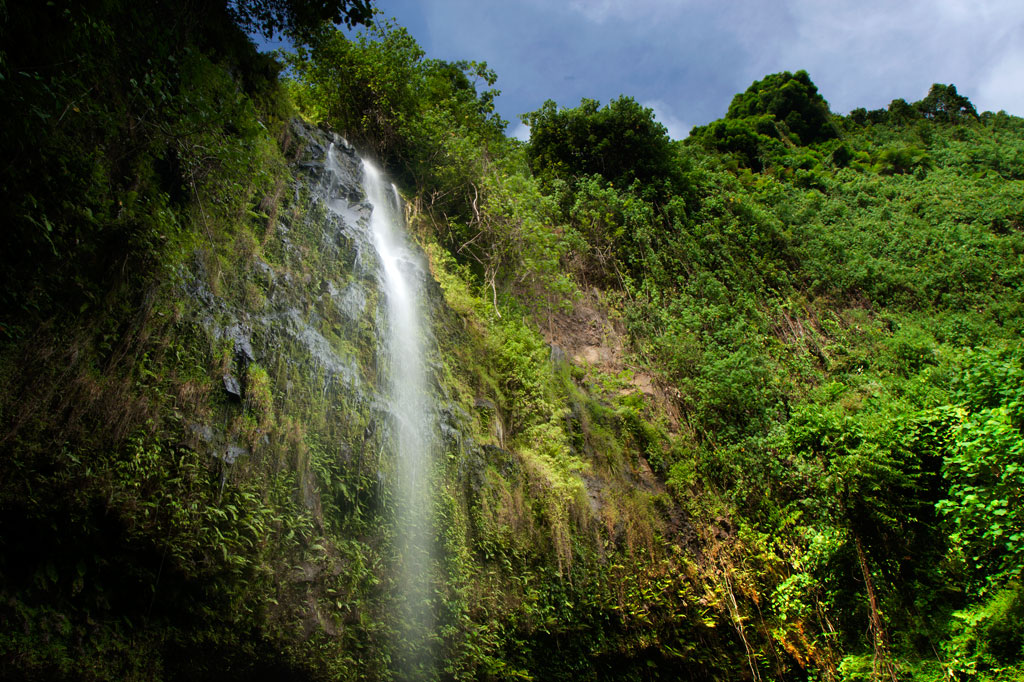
{"x":878,"y":636}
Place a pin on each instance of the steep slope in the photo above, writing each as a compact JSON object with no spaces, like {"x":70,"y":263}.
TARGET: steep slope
{"x":748,"y":410}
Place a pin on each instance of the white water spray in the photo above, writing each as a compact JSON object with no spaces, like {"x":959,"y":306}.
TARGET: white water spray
{"x":411,"y":428}
{"x":412,"y":432}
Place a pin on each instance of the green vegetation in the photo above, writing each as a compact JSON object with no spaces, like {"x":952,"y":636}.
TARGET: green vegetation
{"x":775,"y":114}
{"x":744,"y":406}
{"x":620,"y":142}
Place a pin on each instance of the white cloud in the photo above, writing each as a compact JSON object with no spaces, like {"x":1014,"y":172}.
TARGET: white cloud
{"x":1001,"y":87}
{"x":868,"y":52}
{"x":677,"y":128}
{"x":690,"y":57}
{"x":633,"y":11}
{"x":521,"y":132}
{"x":594,"y":10}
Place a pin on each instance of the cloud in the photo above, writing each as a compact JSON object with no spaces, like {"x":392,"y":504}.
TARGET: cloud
{"x":594,"y":10}
{"x":631,"y":11}
{"x":677,"y":128}
{"x":599,"y":11}
{"x":1001,"y":87}
{"x":690,"y":57}
{"x":868,"y":52}
{"x":521,"y":132}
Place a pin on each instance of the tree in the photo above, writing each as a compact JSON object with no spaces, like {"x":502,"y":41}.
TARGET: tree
{"x":900,"y":112}
{"x":781,"y":110}
{"x":423,"y":119}
{"x":790,"y":99}
{"x":366,"y":88}
{"x":752,"y":139}
{"x":298,"y":18}
{"x":945,"y":104}
{"x":621,"y":142}
{"x":879,"y":478}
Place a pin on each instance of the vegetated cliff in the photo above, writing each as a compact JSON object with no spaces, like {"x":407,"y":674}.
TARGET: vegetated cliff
{"x":728,"y":418}
{"x":207,"y":489}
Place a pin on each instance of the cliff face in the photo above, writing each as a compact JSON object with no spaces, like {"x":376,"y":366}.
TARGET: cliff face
{"x":217,"y":460}
{"x":207,"y":485}
{"x":754,"y":416}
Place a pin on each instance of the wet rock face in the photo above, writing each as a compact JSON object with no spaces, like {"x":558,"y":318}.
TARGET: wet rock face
{"x":298,"y":331}
{"x":308,"y":311}
{"x":318,"y":315}
{"x":346,"y":183}
{"x":301,"y":314}
{"x":232,"y":387}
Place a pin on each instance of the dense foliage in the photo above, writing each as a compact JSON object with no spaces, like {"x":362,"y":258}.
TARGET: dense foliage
{"x":620,"y":142}
{"x":812,"y":300}
{"x":744,"y":406}
{"x":298,"y":18}
{"x":135,"y":155}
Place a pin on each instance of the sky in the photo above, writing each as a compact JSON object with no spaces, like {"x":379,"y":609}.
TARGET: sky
{"x":686,"y":59}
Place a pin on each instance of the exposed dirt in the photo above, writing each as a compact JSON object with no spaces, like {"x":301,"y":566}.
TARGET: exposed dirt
{"x":592,"y":336}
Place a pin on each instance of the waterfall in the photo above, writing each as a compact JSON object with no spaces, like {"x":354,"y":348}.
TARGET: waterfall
{"x":400,"y":274}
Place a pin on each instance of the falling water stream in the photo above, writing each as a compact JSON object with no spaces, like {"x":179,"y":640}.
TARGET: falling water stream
{"x":411,"y":428}
{"x":405,"y":390}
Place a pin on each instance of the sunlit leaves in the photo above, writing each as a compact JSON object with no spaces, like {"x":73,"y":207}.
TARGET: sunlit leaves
{"x":985,"y":469}
{"x":790,"y":100}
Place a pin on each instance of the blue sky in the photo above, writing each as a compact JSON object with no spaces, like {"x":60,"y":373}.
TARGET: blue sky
{"x":687,"y":58}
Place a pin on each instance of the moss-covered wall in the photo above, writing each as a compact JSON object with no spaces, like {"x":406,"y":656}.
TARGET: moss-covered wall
{"x":720,"y":427}
{"x":199,"y":485}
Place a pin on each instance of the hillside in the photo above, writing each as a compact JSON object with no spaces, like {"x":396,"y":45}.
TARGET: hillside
{"x":748,"y":405}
